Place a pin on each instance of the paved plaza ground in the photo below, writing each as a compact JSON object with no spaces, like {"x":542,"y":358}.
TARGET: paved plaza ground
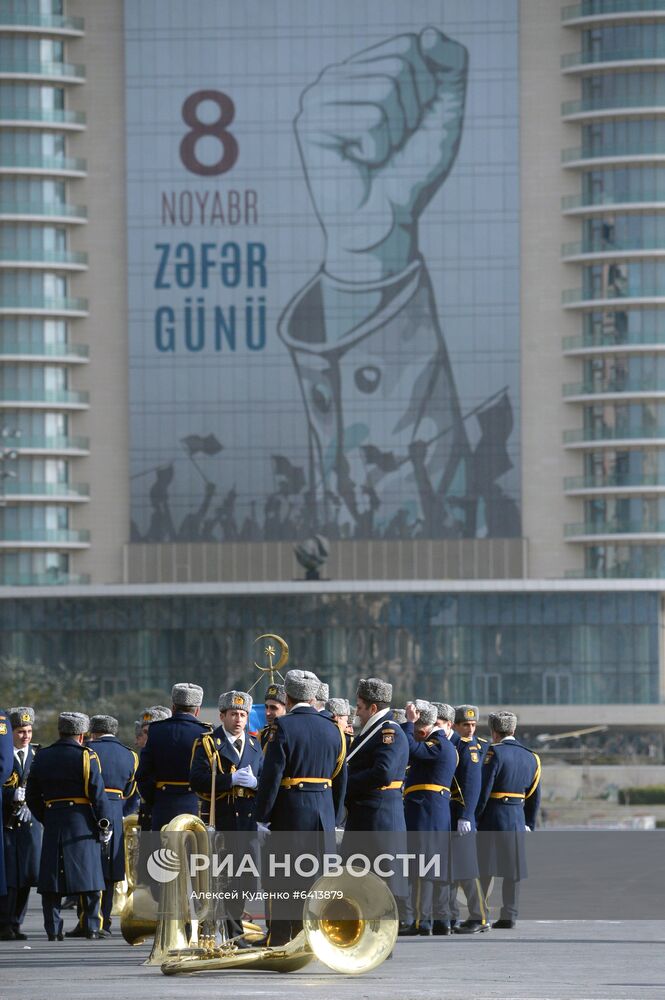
{"x":584,"y":960}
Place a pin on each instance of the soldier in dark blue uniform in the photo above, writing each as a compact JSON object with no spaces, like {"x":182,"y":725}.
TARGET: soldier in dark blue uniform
{"x":508,"y":805}
{"x":275,"y":705}
{"x":432,"y":763}
{"x":466,"y":790}
{"x":377,"y":764}
{"x":163,"y":772}
{"x":65,"y":792}
{"x":302,"y":784}
{"x":239,"y":760}
{"x":22,"y":832}
{"x":119,"y":765}
{"x":6,"y":767}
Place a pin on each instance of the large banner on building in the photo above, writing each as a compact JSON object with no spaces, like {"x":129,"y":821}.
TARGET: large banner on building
{"x":323,"y":268}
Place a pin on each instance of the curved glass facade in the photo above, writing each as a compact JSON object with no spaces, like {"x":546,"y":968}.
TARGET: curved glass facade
{"x":605,"y":471}
{"x":36,"y":297}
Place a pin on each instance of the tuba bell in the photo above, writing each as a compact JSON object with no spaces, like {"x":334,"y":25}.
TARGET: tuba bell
{"x":351,"y":935}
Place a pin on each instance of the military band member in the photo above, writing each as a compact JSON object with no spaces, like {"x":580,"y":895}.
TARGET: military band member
{"x":302,"y":784}
{"x":163,"y":771}
{"x":466,"y":790}
{"x":22,"y":832}
{"x":508,"y":805}
{"x":377,"y":764}
{"x":135,"y":804}
{"x":432,"y":763}
{"x":65,"y":792}
{"x":339,"y":711}
{"x":119,"y":765}
{"x":6,"y":767}
{"x":275,"y":705}
{"x":239,"y":760}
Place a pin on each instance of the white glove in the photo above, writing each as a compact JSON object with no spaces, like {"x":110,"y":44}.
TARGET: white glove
{"x":19,"y":794}
{"x":105,"y":836}
{"x":527,"y":829}
{"x":244,"y":777}
{"x":463,"y":826}
{"x":24,"y":815}
{"x":263,"y":830}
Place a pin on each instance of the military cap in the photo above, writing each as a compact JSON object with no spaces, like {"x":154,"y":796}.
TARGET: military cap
{"x":276,"y":692}
{"x":21,"y":716}
{"x":104,"y":725}
{"x":187,"y":695}
{"x":323,"y":693}
{"x":73,"y":723}
{"x":373,"y":689}
{"x":427,"y":712}
{"x":502,"y":722}
{"x":302,"y":685}
{"x":399,"y":715}
{"x":444,"y":712}
{"x":235,"y":699}
{"x":156,"y":713}
{"x":466,"y":713}
{"x":338,"y":706}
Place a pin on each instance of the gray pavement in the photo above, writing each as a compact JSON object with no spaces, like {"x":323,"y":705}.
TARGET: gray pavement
{"x":538,"y":960}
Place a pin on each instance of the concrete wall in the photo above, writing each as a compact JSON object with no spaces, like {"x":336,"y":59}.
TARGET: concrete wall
{"x":597,"y":781}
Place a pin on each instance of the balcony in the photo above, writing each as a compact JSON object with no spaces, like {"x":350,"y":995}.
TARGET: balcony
{"x":25,"y":69}
{"x":43,"y":579}
{"x":613,"y":482}
{"x":578,"y":155}
{"x":592,"y":528}
{"x":36,"y":211}
{"x":580,"y":298}
{"x":74,"y":260}
{"x":67,"y":353}
{"x":611,"y":8}
{"x":611,"y":343}
{"x":647,"y":54}
{"x":619,"y":572}
{"x":43,"y":538}
{"x":647,"y":384}
{"x":61,"y":398}
{"x":599,"y":248}
{"x":600,"y":107}
{"x":585,"y":203}
{"x":586,"y":436}
{"x":37,"y":305}
{"x":46,"y":445}
{"x":61,"y":166}
{"x":14,"y":489}
{"x":42,"y":24}
{"x":51,"y":118}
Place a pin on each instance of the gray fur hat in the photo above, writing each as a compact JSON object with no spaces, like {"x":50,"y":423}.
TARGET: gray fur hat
{"x":427,"y":712}
{"x":444,"y":712}
{"x":373,"y":689}
{"x":502,"y":722}
{"x":73,"y":723}
{"x":235,"y":699}
{"x":21,"y":716}
{"x":276,"y":692}
{"x":399,"y":715}
{"x":466,"y":713}
{"x":156,"y":713}
{"x":187,"y":695}
{"x":104,"y":725}
{"x":302,"y":685}
{"x":338,"y":706}
{"x":323,"y":693}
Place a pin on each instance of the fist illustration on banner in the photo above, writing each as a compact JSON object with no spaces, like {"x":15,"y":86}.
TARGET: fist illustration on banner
{"x":378,"y":135}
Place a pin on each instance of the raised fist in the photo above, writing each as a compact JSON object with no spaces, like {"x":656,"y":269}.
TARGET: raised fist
{"x":378,"y":135}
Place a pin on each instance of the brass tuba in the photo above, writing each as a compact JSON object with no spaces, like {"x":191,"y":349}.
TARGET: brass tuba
{"x":351,"y":935}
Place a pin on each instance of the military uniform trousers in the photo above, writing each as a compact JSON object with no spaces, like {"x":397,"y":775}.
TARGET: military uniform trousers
{"x":91,"y":919}
{"x":22,"y":849}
